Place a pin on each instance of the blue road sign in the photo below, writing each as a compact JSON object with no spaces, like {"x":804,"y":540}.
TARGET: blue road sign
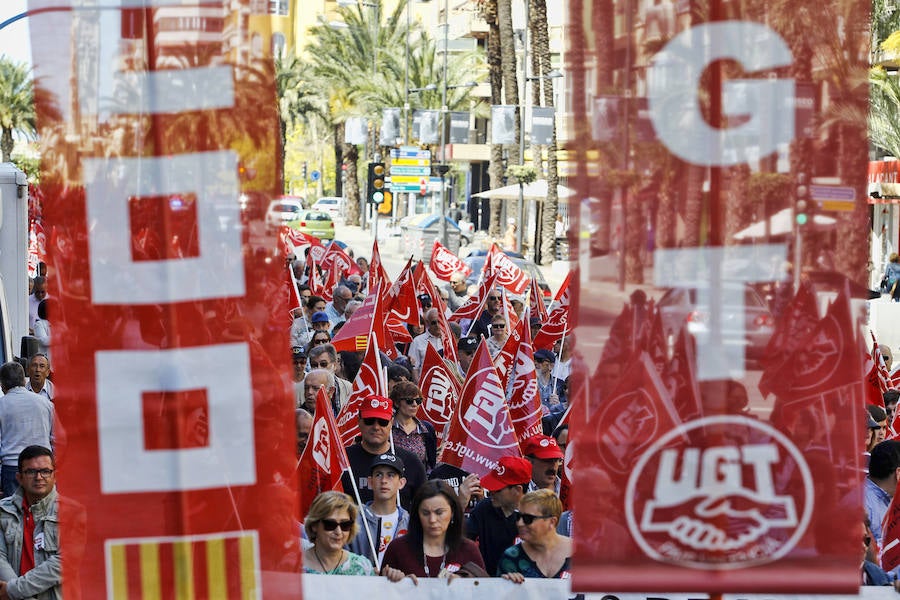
{"x":315,"y":175}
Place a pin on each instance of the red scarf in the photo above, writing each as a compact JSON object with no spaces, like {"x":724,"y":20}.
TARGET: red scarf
{"x":27,"y":562}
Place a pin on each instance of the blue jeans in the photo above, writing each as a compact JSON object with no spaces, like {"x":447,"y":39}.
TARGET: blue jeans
{"x":8,"y":479}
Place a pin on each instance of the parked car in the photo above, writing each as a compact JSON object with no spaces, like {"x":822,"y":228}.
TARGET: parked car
{"x":333,"y":205}
{"x":475,"y":261}
{"x":282,"y":211}
{"x":315,"y":222}
{"x":750,"y":325}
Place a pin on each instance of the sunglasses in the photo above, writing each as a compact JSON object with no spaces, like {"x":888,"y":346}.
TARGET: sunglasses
{"x":320,"y":365}
{"x":331,"y":524}
{"x":493,"y":297}
{"x":317,"y":342}
{"x":372,"y":420}
{"x":435,"y":322}
{"x":498,"y":325}
{"x":412,"y":400}
{"x":529,"y":519}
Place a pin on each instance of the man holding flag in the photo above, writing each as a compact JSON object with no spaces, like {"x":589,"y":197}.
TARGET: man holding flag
{"x":376,"y":416}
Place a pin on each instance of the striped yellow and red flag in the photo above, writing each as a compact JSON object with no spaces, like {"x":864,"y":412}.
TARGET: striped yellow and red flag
{"x":221,"y":565}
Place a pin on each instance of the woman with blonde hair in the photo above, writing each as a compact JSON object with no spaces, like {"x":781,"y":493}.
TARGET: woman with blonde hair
{"x":542,"y":552}
{"x":330,"y":525}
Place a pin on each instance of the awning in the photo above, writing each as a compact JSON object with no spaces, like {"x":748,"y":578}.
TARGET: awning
{"x":536,"y":190}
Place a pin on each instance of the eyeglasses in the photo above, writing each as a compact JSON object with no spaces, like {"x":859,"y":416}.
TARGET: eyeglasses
{"x":498,"y":325}
{"x":331,"y":524}
{"x":317,"y":342}
{"x":323,"y":364}
{"x":529,"y":519}
{"x":493,"y":297}
{"x":33,"y":473}
{"x":412,"y":400}
{"x":435,"y":322}
{"x":372,"y":420}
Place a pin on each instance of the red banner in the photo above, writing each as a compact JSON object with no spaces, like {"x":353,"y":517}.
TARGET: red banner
{"x":509,"y":275}
{"x":727,"y":456}
{"x":440,"y":390}
{"x":324,"y":459}
{"x":173,"y":394}
{"x":444,"y":263}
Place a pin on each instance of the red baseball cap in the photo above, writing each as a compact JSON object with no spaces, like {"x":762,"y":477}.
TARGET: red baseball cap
{"x":378,"y":407}
{"x":510,"y":470}
{"x":543,"y":447}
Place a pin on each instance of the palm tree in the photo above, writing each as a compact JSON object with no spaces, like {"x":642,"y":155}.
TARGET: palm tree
{"x":489,"y":12}
{"x":16,"y":104}
{"x":884,"y":117}
{"x":296,"y":93}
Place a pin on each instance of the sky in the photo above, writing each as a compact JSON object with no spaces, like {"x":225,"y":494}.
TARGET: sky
{"x":14,"y":39}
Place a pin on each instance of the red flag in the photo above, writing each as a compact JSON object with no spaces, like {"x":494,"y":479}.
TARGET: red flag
{"x":324,"y":459}
{"x":293,"y":240}
{"x":332,"y":281}
{"x":400,"y":299}
{"x":377,"y":274}
{"x":557,"y":324}
{"x":536,"y":302}
{"x":294,"y":300}
{"x":336,"y":257}
{"x":37,"y":246}
{"x":368,"y":320}
{"x":680,"y":377}
{"x":505,"y":359}
{"x":369,"y":382}
{"x":637,"y":413}
{"x":512,"y":319}
{"x":509,"y":275}
{"x":565,"y":479}
{"x":797,"y":322}
{"x":890,"y":537}
{"x":444,"y":263}
{"x":317,"y":252}
{"x":481,"y":430}
{"x":314,"y":281}
{"x":873,"y":377}
{"x":524,"y":398}
{"x":472,"y":307}
{"x":829,"y":358}
{"x":440,"y":390}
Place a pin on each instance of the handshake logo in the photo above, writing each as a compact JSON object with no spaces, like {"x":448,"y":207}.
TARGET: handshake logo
{"x":719,"y":506}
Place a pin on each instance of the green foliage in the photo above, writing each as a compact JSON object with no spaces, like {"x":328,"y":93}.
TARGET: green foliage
{"x":16,"y":104}
{"x":523,"y":174}
{"x":770,"y":188}
{"x":884,"y":113}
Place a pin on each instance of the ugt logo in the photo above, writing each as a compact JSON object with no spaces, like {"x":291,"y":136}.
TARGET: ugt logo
{"x":715,"y":502}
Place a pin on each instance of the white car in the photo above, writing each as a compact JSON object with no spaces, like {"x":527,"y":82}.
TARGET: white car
{"x":282,"y":211}
{"x":333,"y":205}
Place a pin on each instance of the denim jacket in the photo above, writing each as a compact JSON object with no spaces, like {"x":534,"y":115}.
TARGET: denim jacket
{"x":43,"y":582}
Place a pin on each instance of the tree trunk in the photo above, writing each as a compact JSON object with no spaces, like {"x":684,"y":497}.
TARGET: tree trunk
{"x":602,"y":24}
{"x":495,"y":170}
{"x":550,"y":207}
{"x":351,"y":202}
{"x":6,"y":144}
{"x":693,"y":205}
{"x":338,"y":158}
{"x":666,"y":215}
{"x":632,"y":243}
{"x":508,"y":62}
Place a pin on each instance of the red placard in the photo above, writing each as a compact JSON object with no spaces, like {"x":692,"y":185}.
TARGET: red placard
{"x":171,"y":378}
{"x":703,"y":148}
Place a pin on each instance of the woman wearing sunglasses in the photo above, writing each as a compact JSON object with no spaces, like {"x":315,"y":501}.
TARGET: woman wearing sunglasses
{"x":542,"y":552}
{"x":330,"y":525}
{"x":410,"y":433}
{"x":434,"y":546}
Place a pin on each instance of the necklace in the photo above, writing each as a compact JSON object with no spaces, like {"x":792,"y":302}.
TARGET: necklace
{"x":425,"y":561}
{"x":322,"y":563}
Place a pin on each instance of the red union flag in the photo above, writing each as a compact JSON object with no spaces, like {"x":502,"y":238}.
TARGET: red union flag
{"x":509,"y":275}
{"x":400,"y":298}
{"x":180,"y":413}
{"x":767,"y":394}
{"x":335,"y":258}
{"x":472,"y":307}
{"x":440,"y":390}
{"x":444,"y":263}
{"x":557,"y":324}
{"x":293,"y":240}
{"x":369,"y":382}
{"x":481,"y":430}
{"x":377,"y":274}
{"x":324,"y":459}
{"x":524,"y":398}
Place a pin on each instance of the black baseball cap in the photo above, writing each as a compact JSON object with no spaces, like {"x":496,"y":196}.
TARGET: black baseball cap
{"x":388,"y":460}
{"x":467,"y":344}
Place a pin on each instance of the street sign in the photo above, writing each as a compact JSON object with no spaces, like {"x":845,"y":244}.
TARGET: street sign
{"x":423,"y":185}
{"x":410,"y":152}
{"x":411,"y":162}
{"x":833,"y":197}
{"x":315,"y":175}
{"x":412,"y":171}
{"x":408,"y":178}
{"x":404,"y":187}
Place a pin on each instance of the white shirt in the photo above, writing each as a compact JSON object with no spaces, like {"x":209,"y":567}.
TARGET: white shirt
{"x":417,"y":348}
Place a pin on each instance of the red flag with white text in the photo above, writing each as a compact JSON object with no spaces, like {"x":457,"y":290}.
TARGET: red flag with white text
{"x":536,"y":301}
{"x":444,"y":263}
{"x":509,"y":275}
{"x":324,"y":459}
{"x":335,"y":256}
{"x":471,"y":308}
{"x":481,"y":430}
{"x":377,"y":274}
{"x":440,"y":390}
{"x":523,"y":396}
{"x":400,"y":299}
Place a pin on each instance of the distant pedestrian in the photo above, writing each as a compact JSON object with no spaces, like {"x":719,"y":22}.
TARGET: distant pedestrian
{"x":26,"y":419}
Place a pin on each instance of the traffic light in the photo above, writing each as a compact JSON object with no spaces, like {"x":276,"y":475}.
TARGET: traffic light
{"x":305,"y":172}
{"x":376,"y":183}
{"x":803,"y":206}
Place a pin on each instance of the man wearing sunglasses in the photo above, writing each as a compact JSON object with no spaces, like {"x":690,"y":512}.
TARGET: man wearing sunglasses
{"x":432,"y":335}
{"x":324,"y":356}
{"x":376,"y":416}
{"x":493,"y":307}
{"x":493,"y":522}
